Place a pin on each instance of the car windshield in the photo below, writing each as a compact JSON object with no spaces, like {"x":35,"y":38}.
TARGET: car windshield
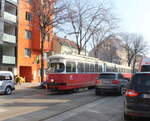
{"x":56,"y":68}
{"x":107,"y":76}
{"x":141,"y":80}
{"x":5,"y":77}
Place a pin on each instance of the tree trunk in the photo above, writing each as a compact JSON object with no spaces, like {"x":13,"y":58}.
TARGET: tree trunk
{"x":134,"y":62}
{"x":42,"y":60}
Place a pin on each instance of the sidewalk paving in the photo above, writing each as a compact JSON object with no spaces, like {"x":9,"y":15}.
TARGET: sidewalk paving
{"x":27,"y":85}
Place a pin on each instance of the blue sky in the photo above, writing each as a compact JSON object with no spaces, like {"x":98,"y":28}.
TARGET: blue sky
{"x":134,"y":15}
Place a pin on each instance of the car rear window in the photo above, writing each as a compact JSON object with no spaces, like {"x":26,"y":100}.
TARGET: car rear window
{"x":145,"y":68}
{"x":107,"y":76}
{"x":141,"y":80}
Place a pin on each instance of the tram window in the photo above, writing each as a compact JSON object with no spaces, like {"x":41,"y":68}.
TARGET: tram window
{"x":100,"y":68}
{"x":70,"y":67}
{"x":120,"y":76}
{"x":57,"y":67}
{"x":91,"y":67}
{"x":80,"y":67}
{"x":96,"y":67}
{"x":87,"y":67}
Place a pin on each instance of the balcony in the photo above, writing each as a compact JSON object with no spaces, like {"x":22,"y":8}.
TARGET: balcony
{"x":9,"y":60}
{"x":10,"y":17}
{"x":9,"y":38}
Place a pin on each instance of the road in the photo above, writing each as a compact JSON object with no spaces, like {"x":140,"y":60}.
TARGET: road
{"x":41,"y":105}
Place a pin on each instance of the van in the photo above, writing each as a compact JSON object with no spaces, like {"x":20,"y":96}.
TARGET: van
{"x":6,"y":82}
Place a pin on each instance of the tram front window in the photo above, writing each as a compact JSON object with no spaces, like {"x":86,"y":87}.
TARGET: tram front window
{"x":57,"y":67}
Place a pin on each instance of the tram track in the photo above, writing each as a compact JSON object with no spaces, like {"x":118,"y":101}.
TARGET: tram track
{"x":73,"y":108}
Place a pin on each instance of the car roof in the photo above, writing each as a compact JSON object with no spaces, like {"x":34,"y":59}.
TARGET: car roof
{"x":3,"y":72}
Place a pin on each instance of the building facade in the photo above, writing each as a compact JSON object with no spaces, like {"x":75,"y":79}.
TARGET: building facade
{"x":110,"y":50}
{"x":65,"y":46}
{"x":29,"y":43}
{"x":8,"y":35}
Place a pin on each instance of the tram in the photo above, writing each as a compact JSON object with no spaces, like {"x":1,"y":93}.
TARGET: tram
{"x":70,"y":72}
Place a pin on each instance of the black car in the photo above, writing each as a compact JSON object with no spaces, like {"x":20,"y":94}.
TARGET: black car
{"x":111,"y":82}
{"x":137,"y":96}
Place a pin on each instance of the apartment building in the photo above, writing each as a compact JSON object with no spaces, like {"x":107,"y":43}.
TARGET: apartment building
{"x":29,"y":43}
{"x":110,"y":50}
{"x":65,"y":46}
{"x":8,"y":35}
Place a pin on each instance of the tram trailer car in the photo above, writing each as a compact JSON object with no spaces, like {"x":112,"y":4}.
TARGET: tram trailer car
{"x":71,"y":72}
{"x":145,"y":65}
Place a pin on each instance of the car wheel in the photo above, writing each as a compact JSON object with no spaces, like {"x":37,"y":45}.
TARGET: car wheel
{"x":127,"y":117}
{"x":8,"y":91}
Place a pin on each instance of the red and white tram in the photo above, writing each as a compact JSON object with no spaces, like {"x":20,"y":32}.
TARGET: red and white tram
{"x":145,"y":65}
{"x":69,"y":72}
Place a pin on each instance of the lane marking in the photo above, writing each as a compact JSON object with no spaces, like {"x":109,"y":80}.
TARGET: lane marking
{"x":3,"y":110}
{"x":68,"y":114}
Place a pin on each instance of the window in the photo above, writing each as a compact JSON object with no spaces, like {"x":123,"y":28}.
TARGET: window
{"x":100,"y":68}
{"x":96,"y":68}
{"x":29,"y":1}
{"x":120,"y":76}
{"x":107,"y":76}
{"x":87,"y":69}
{"x":80,"y":67}
{"x":28,"y":16}
{"x":27,"y":52}
{"x":70,"y":67}
{"x":92,"y":68}
{"x":56,"y":68}
{"x":5,"y":76}
{"x":28,"y":34}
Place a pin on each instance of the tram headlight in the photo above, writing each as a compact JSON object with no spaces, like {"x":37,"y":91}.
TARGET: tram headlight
{"x":52,"y":80}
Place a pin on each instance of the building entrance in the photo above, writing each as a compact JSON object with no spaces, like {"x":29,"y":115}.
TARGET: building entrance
{"x":26,"y":72}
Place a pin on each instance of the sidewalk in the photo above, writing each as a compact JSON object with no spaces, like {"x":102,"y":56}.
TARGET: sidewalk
{"x":27,"y":85}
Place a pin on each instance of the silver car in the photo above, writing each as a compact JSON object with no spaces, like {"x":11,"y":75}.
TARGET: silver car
{"x":111,"y":82}
{"x":6,"y":82}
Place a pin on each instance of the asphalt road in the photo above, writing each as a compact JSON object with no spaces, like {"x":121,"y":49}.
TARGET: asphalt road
{"x":41,"y":105}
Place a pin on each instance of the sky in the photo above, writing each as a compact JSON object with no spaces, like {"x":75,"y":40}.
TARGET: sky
{"x":134,"y":16}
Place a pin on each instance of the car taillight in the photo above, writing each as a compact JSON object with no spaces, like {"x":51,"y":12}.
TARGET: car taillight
{"x":98,"y":82}
{"x":131,"y":93}
{"x":115,"y":82}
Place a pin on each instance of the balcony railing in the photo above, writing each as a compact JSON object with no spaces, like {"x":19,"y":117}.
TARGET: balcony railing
{"x":10,"y":17}
{"x":9,"y":38}
{"x":9,"y":60}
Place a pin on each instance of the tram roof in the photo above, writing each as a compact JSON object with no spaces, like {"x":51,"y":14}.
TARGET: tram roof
{"x":83,"y":58}
{"x":77,"y":57}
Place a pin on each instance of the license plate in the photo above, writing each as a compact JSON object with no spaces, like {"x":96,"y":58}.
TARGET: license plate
{"x":146,"y":96}
{"x":106,"y":82}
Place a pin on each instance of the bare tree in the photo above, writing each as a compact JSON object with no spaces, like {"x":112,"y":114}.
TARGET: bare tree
{"x":135,"y":46}
{"x":139,"y":48}
{"x":50,"y":13}
{"x":128,"y":46}
{"x":84,"y":20}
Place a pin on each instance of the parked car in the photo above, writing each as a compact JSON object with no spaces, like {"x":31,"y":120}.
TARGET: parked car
{"x":111,"y":82}
{"x":137,"y":96}
{"x":6,"y":82}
